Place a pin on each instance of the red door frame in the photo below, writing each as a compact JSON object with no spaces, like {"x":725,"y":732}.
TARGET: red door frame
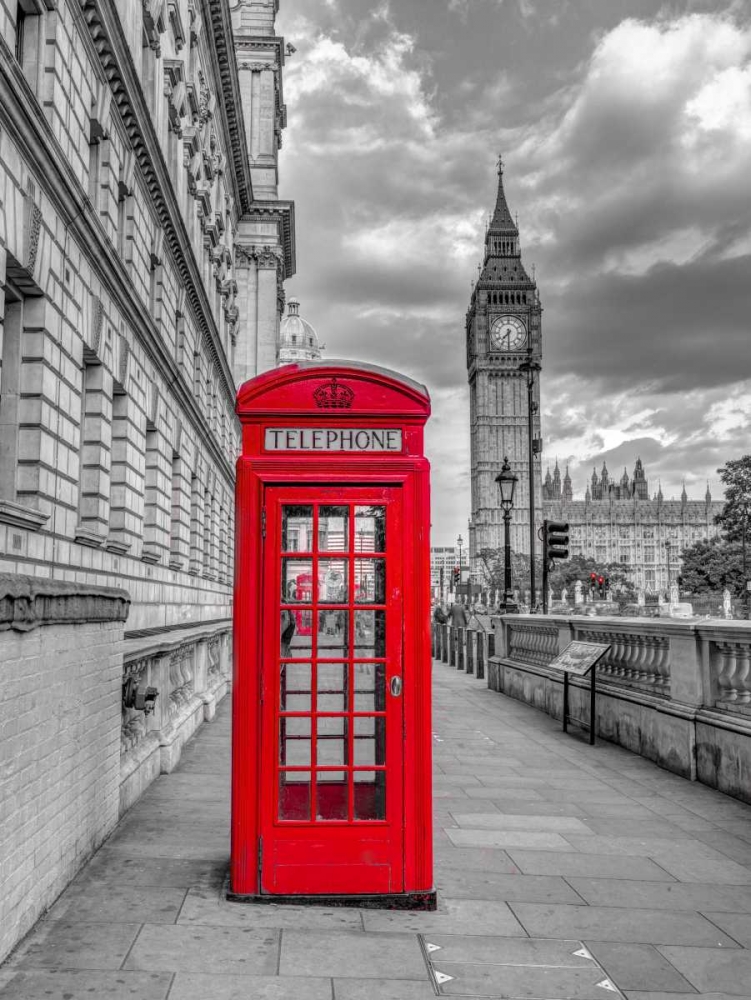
{"x":364,"y":857}
{"x":275,"y":399}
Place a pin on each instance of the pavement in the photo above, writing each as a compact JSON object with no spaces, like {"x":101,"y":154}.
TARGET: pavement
{"x":564,"y":871}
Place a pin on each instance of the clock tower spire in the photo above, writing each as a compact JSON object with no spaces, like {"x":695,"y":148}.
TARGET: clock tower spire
{"x":503,"y":330}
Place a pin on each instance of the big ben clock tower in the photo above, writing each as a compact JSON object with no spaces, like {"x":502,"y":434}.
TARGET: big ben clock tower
{"x":503,"y":332}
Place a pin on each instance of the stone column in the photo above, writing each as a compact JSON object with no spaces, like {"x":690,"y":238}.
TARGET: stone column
{"x":268,"y":316}
{"x":246,"y":347}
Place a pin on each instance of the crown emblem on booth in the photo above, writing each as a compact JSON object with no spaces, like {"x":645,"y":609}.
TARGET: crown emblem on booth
{"x":333,"y":396}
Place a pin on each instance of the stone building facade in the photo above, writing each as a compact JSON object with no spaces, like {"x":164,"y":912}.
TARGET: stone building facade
{"x":618,"y":521}
{"x":503,"y":330}
{"x":143,"y":251}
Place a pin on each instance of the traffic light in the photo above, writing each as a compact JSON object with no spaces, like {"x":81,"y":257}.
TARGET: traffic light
{"x":554,"y":540}
{"x":607,"y":586}
{"x":601,"y":585}
{"x":457,"y":576}
{"x":592,"y":581}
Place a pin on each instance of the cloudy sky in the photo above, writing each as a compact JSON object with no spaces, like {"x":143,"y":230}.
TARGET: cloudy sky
{"x":625,"y":127}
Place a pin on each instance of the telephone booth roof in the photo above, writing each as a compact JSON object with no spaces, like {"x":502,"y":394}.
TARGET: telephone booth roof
{"x":374,"y":391}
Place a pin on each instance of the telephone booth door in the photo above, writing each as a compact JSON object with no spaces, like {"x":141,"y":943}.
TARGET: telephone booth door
{"x":332,"y":817}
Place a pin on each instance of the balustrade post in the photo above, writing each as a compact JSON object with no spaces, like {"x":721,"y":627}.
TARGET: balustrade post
{"x":471,"y":637}
{"x":685,"y":665}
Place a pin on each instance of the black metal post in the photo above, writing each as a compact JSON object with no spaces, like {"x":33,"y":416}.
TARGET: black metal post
{"x":593,"y":672}
{"x":745,"y":581}
{"x":507,"y":595}
{"x":565,"y":701}
{"x":531,"y":456}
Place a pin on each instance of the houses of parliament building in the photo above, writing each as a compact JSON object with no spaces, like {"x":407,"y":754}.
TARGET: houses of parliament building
{"x":619,"y":521}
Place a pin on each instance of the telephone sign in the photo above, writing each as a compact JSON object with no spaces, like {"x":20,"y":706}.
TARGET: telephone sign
{"x":331,"y":784}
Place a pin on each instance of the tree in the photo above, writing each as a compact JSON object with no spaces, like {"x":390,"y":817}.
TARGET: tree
{"x":492,"y":562}
{"x":711,"y":565}
{"x":565,"y":574}
{"x":736,"y":477}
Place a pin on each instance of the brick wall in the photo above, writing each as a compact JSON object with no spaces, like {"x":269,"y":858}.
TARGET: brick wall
{"x":60,"y":698}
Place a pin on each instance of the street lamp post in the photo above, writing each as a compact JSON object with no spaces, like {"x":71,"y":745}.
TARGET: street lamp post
{"x":507,"y":485}
{"x":667,"y":552}
{"x":530,"y":368}
{"x":745,"y":580}
{"x":460,"y":542}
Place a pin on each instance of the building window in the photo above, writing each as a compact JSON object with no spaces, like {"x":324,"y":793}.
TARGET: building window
{"x":10,"y":385}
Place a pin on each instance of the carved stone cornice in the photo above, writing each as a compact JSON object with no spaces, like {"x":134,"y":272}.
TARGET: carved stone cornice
{"x":104,"y":24}
{"x":216,"y":13}
{"x":27,"y":602}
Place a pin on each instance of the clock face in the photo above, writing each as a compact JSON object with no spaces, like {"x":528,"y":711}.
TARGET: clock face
{"x":508,"y":333}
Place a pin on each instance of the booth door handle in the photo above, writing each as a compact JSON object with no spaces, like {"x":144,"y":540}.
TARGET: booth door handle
{"x":396,"y":686}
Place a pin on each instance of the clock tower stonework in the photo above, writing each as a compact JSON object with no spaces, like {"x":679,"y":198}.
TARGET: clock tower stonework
{"x":503,"y":331}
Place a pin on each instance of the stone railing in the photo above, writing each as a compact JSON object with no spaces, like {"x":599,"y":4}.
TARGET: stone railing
{"x":675,"y":691}
{"x":190,"y":670}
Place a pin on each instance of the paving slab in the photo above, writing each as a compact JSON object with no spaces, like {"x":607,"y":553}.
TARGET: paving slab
{"x":494,"y":885}
{"x":340,"y":953}
{"x":197,"y":986}
{"x":75,"y":945}
{"x":667,"y":896}
{"x":214,"y":911}
{"x":115,"y":868}
{"x":484,"y":859}
{"x":712,"y":970}
{"x":556,"y":863}
{"x":690,"y":869}
{"x":382,"y":989}
{"x":454,"y":916}
{"x":637,"y":966}
{"x":737,"y":925}
{"x":66,"y":984}
{"x":503,"y":821}
{"x":218,"y":950}
{"x":508,"y":838}
{"x":96,"y":903}
{"x":614,"y":923}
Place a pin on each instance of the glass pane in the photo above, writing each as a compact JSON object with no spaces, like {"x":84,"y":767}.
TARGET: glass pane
{"x":297,"y":529}
{"x":332,"y":581}
{"x":332,"y":634}
{"x":370,"y":529}
{"x":333,"y":529}
{"x":294,"y":795}
{"x":370,"y":634}
{"x":370,"y":581}
{"x":332,"y":795}
{"x":370,"y":741}
{"x":296,"y":634}
{"x":370,"y":794}
{"x":294,"y":687}
{"x":331,"y":745}
{"x":297,"y":581}
{"x":370,"y":687}
{"x":294,"y":742}
{"x":332,"y":687}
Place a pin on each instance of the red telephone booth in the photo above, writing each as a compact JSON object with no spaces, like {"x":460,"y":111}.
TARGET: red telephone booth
{"x":331,"y":761}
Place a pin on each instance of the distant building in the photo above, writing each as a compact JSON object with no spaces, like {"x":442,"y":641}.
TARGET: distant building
{"x":298,"y":340}
{"x":444,"y":557}
{"x":618,"y":522}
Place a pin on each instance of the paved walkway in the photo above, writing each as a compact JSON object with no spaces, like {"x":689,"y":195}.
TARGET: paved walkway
{"x":563,"y":870}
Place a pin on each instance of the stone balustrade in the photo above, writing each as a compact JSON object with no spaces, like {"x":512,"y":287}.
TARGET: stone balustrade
{"x":675,"y":691}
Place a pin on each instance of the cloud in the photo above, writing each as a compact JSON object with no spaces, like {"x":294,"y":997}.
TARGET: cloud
{"x":629,"y":169}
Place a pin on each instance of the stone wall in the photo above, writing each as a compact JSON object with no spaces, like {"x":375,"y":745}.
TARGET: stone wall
{"x":60,"y":705}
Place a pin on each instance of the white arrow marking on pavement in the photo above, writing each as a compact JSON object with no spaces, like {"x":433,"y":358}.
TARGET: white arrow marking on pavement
{"x":583,"y":953}
{"x":432,"y":947}
{"x":441,"y":978}
{"x":607,"y":985}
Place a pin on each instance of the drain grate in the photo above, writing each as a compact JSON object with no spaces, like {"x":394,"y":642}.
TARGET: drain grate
{"x":495,"y":968}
